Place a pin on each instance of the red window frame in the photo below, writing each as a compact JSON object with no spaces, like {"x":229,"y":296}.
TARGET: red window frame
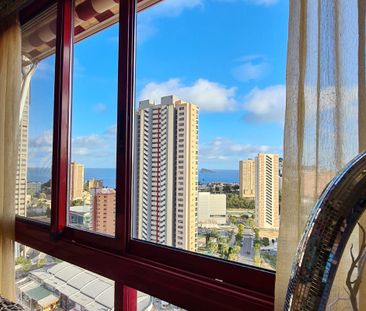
{"x":189,"y":280}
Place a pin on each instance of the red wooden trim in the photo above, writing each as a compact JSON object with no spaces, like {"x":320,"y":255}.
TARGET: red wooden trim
{"x":119,"y":298}
{"x":96,"y":240}
{"x":125,"y":114}
{"x":61,"y":116}
{"x":184,"y":289}
{"x":252,"y":278}
{"x":129,"y":299}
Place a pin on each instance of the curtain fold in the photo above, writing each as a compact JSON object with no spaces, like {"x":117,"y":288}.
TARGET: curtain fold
{"x":10,"y":85}
{"x":322,"y":131}
{"x":362,"y":115}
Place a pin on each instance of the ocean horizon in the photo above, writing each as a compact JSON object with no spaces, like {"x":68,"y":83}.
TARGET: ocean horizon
{"x":108,"y":175}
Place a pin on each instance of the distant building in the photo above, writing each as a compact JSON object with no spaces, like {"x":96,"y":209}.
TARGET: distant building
{"x":80,"y":216}
{"x":211,"y":208}
{"x":247,"y":178}
{"x":65,"y":287}
{"x":167,"y":173}
{"x":104,"y":211}
{"x":33,"y":188}
{"x":95,"y":183}
{"x":267,"y":191}
{"x":22,"y":165}
{"x":76,"y":181}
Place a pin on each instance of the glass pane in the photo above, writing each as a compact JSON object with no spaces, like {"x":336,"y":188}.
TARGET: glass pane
{"x":94,"y":116}
{"x":146,"y":302}
{"x":33,"y":183}
{"x":210,"y":101}
{"x":44,"y":282}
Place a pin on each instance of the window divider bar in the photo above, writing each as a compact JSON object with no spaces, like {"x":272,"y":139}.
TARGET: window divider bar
{"x":125,"y":113}
{"x":61,"y":121}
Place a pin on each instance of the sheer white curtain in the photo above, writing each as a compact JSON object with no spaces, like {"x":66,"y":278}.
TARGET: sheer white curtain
{"x":10,"y":85}
{"x":324,"y":122}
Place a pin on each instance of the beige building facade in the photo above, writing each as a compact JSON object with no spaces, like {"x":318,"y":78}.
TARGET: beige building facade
{"x":247,"y":178}
{"x":267,"y":191}
{"x":211,"y":208}
{"x":166,"y":176}
{"x":22,"y":165}
{"x":95,"y":183}
{"x":104,"y":211}
{"x":76,"y":181}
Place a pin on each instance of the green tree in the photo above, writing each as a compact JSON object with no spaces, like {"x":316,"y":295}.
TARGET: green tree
{"x":19,"y":260}
{"x":211,"y":234}
{"x":265,"y":241}
{"x":86,"y":186}
{"x":238,"y":238}
{"x":212,"y":247}
{"x":222,"y":239}
{"x":77,"y":202}
{"x":256,"y":232}
{"x":241,"y":228}
{"x":41,"y":262}
{"x":226,"y":188}
{"x":237,"y":202}
{"x":224,"y":250}
{"x":233,"y":252}
{"x":25,"y":263}
{"x":251,"y":223}
{"x":257,"y":253}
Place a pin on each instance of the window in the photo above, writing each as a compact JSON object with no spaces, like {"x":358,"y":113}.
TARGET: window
{"x":34,"y":174}
{"x":173,"y":274}
{"x":45,"y":282}
{"x":212,"y":151}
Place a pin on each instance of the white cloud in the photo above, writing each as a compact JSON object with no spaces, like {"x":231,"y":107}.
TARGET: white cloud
{"x":93,"y":140}
{"x":94,"y":150}
{"x":111,"y":130}
{"x":40,"y":150}
{"x":266,"y":105}
{"x":99,"y":107}
{"x":208,"y":95}
{"x":224,"y":149}
{"x":252,"y":68}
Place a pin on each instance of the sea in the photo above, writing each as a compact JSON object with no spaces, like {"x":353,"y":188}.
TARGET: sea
{"x":108,"y":175}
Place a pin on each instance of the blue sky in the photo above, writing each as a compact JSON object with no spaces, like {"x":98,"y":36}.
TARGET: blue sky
{"x":227,"y":56}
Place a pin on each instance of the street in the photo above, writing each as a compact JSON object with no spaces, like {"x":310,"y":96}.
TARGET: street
{"x":247,"y":252}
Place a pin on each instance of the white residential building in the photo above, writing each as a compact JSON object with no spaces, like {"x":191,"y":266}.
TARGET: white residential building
{"x":211,"y":208}
{"x":267,"y":191}
{"x":167,"y":173}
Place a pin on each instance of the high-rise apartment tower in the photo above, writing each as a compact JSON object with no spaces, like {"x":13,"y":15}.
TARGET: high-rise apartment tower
{"x":167,"y":173}
{"x":267,"y":191}
{"x":247,"y":178}
{"x":21,"y":177}
{"x":76,"y":181}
